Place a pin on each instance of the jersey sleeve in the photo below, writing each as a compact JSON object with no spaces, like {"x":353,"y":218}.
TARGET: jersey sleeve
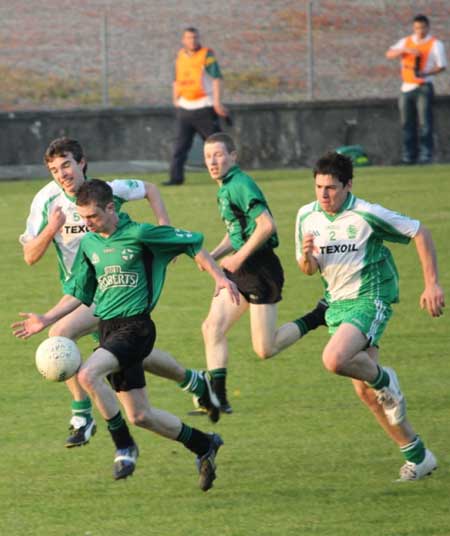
{"x":251,"y":200}
{"x":298,"y":237}
{"x":36,"y":221}
{"x":389,"y":225}
{"x":168,"y":242}
{"x":399,"y":44}
{"x":128,"y":189}
{"x":83,"y":282}
{"x":212,"y":66}
{"x":439,"y":54}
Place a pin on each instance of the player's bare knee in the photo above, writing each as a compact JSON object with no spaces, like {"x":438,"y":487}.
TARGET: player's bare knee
{"x":87,"y":379}
{"x":212,"y":330}
{"x":139,"y":418}
{"x":332,"y":361}
{"x":263,"y":352}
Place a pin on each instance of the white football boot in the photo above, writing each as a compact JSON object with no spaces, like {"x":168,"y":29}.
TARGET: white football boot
{"x":416,"y":471}
{"x":392,"y":400}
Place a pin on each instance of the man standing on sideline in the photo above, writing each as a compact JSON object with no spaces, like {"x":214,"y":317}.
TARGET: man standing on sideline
{"x":248,"y":259}
{"x":341,"y":237}
{"x":54,"y":218}
{"x":422,"y":57}
{"x":122,"y":265}
{"x":197,"y":97}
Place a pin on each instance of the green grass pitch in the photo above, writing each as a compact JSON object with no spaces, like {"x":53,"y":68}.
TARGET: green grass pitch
{"x":302,"y":456}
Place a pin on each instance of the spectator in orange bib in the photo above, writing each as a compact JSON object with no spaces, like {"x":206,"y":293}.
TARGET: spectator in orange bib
{"x":422,"y":56}
{"x":197,"y":97}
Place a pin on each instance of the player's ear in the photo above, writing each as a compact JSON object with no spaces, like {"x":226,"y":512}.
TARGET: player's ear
{"x":110,"y":207}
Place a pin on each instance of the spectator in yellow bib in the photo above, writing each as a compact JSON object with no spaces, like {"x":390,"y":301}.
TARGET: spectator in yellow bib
{"x":422,"y":56}
{"x":197,"y":97}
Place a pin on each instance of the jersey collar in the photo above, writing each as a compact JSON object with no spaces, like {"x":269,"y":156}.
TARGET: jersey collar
{"x":234,"y":170}
{"x":346,"y":205}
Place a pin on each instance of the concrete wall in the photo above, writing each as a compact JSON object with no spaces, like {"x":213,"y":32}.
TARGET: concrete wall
{"x":268,"y":135}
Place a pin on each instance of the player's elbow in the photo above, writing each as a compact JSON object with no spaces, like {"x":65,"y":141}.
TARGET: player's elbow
{"x":29,"y":258}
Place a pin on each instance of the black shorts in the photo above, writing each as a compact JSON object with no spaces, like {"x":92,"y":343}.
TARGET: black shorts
{"x":130,"y":340}
{"x":260,"y":279}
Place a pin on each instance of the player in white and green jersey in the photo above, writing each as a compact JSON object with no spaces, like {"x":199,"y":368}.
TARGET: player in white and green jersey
{"x":122,"y":264}
{"x":343,"y":237}
{"x":54,"y":218}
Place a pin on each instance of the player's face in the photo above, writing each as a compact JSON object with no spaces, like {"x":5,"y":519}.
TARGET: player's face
{"x":191,"y":41}
{"x":97,"y":219}
{"x":67,"y":172}
{"x":420,"y":29}
{"x":331,"y":193}
{"x":218,"y":160}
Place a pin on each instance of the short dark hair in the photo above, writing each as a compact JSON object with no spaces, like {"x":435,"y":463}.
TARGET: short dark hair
{"x":337,"y":165}
{"x":221,"y":137}
{"x":95,"y":191}
{"x":62,"y":146}
{"x":191,"y":29}
{"x":422,"y":18}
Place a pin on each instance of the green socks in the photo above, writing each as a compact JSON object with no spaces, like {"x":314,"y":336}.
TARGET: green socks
{"x":82,"y":408}
{"x":382,"y":380}
{"x":414,"y":451}
{"x":193,"y":382}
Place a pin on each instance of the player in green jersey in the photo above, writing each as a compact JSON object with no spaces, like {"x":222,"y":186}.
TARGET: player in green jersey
{"x":123,"y":264}
{"x":54,"y":219}
{"x":342,"y":237}
{"x":248,"y":259}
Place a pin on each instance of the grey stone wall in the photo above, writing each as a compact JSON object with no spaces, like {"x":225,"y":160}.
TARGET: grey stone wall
{"x":268,"y":135}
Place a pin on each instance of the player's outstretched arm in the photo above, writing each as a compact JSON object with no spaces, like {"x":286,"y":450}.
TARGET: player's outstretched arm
{"x":307,"y":263}
{"x":35,"y":323}
{"x":34,"y":249}
{"x":432,"y":298}
{"x":154,"y":198}
{"x":206,"y":262}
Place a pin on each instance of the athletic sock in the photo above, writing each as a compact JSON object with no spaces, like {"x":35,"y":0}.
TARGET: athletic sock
{"x":382,"y":380}
{"x":414,"y":451}
{"x":193,"y":382}
{"x":82,"y":408}
{"x":313,"y":319}
{"x":194,"y":440}
{"x":120,"y":434}
{"x":219,"y":377}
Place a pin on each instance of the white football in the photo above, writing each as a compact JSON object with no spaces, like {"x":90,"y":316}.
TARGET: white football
{"x":58,"y":359}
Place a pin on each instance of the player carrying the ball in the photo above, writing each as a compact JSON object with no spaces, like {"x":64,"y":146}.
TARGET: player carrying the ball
{"x":342,"y":237}
{"x":123,"y":264}
{"x":54,"y":218}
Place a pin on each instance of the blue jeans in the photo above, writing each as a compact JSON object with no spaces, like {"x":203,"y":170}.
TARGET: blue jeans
{"x":416,"y":115}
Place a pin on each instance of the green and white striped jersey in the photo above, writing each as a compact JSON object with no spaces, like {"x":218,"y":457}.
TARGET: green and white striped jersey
{"x":349,"y":248}
{"x":126,"y":270}
{"x":67,"y":239}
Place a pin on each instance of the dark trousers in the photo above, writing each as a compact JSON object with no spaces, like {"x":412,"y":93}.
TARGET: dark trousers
{"x":416,"y":115}
{"x":203,"y":121}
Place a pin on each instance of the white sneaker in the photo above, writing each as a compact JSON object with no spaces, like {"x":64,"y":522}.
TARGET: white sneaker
{"x":392,"y":400}
{"x":416,"y":471}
